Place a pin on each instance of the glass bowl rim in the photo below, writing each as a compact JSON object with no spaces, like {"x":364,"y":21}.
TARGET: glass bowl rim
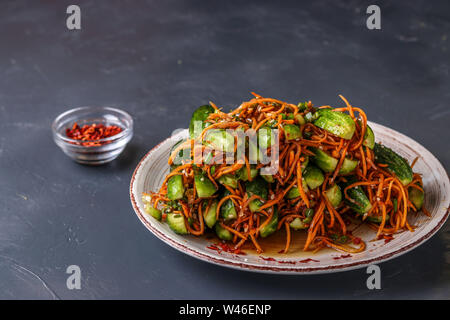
{"x":74,"y":142}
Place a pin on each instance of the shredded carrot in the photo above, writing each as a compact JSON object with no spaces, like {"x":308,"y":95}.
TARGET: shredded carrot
{"x":388,"y":197}
{"x":300,"y":185}
{"x":288,"y":237}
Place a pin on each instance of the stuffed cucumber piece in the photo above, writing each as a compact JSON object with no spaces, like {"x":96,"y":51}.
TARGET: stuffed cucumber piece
{"x":300,"y":119}
{"x":323,"y":160}
{"x":198,"y":118}
{"x":155,"y":213}
{"x":268,"y":177}
{"x":311,"y":116}
{"x":292,"y":132}
{"x":181,"y":155}
{"x":359,"y":201}
{"x":369,"y":138}
{"x":335,"y":122}
{"x":229,"y":180}
{"x":219,"y":139}
{"x":416,"y":197}
{"x":257,"y":186}
{"x":328,"y":163}
{"x":175,"y":188}
{"x":309,"y":214}
{"x":304,"y":163}
{"x":348,"y":165}
{"x":243,"y":174}
{"x":313,"y":176}
{"x":271,"y":227}
{"x":227,"y":210}
{"x":223,"y":233}
{"x":294,"y":192}
{"x":176,"y":223}
{"x":264,"y":137}
{"x":395,"y":163}
{"x":378,"y":219}
{"x":203,"y":186}
{"x":287,"y":116}
{"x":210,"y":214}
{"x":300,"y":224}
{"x":334,"y":195}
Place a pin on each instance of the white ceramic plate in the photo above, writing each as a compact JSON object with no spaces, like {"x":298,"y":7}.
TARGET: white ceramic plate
{"x":152,"y":169}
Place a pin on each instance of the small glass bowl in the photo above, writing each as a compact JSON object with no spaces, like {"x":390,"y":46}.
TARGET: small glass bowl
{"x":110,"y":147}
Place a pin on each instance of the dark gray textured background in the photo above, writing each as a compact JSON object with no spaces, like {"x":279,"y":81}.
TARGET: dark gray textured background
{"x":159,"y":60}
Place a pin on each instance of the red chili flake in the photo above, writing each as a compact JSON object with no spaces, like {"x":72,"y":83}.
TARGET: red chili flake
{"x":92,"y":132}
{"x":267,"y":259}
{"x":226,"y":248}
{"x":214,"y":247}
{"x":388,"y":238}
{"x":308,"y":260}
{"x":356,"y":240}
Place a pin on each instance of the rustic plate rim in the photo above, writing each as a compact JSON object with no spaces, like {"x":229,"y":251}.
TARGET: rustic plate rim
{"x":283,"y":269}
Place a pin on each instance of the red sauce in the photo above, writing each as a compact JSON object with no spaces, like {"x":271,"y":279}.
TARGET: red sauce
{"x":214,"y":247}
{"x":308,"y":260}
{"x":219,"y":247}
{"x":342,"y":257}
{"x":356,"y":240}
{"x":267,"y":259}
{"x":387,"y":237}
{"x":290,"y":262}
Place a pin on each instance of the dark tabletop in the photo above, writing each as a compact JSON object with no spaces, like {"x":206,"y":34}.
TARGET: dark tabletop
{"x":159,"y":60}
